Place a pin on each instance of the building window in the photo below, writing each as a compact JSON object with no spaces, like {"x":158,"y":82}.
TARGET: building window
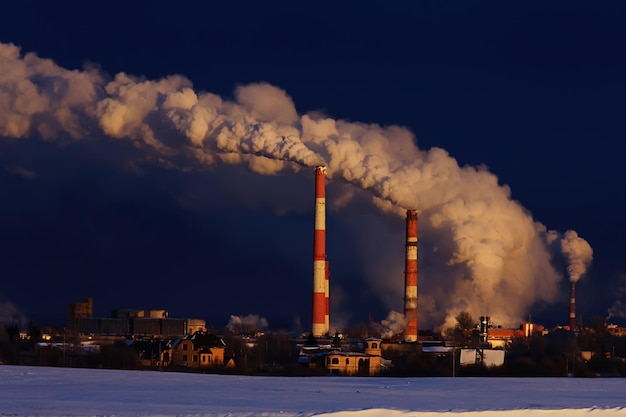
{"x":347,"y":361}
{"x":184,"y":346}
{"x":195,"y":358}
{"x":184,"y":358}
{"x":374,"y":345}
{"x":335,"y":361}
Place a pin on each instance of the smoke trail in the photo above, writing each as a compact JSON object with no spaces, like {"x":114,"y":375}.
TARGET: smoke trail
{"x":249,"y":324}
{"x":618,"y":309}
{"x":578,"y":254}
{"x":480,"y":251}
{"x":394,"y":324}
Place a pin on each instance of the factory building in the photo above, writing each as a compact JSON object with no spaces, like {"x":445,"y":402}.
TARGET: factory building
{"x":129,"y":323}
{"x":499,"y":338}
{"x":79,"y":310}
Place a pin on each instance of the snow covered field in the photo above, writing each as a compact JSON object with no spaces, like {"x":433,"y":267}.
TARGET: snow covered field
{"x":41,"y":391}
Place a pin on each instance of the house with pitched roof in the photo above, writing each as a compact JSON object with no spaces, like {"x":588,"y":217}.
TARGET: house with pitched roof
{"x":200,"y":350}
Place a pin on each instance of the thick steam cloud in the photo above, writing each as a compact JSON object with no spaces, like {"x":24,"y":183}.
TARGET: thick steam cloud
{"x":393,"y":325}
{"x":578,"y":253}
{"x":480,"y":251}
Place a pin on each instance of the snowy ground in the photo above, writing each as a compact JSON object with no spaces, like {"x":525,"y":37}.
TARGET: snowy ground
{"x":41,"y":391}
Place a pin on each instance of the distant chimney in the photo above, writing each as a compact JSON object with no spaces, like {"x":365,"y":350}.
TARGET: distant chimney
{"x":320,"y":314}
{"x":572,"y":306}
{"x":529,"y":329}
{"x":484,"y":329}
{"x":410,"y":277}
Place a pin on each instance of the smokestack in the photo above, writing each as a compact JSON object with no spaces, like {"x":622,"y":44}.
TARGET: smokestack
{"x":320,"y":266}
{"x":410,"y":277}
{"x":484,"y":329}
{"x":327,"y":316}
{"x":572,"y":306}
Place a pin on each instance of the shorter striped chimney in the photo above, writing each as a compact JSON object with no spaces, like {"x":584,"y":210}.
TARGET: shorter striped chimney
{"x":572,"y":306}
{"x":410,"y":277}
{"x":320,"y":317}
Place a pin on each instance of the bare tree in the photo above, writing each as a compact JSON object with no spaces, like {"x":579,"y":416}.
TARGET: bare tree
{"x":466,"y":330}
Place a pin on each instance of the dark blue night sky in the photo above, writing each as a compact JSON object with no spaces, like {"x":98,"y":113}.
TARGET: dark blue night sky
{"x":534,"y":91}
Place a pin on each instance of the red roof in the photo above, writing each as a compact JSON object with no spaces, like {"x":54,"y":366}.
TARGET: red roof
{"x":504,"y":333}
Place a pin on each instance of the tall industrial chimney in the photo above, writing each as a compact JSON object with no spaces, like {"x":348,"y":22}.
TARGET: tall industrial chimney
{"x":410,"y":277}
{"x":572,"y":306}
{"x":320,"y":314}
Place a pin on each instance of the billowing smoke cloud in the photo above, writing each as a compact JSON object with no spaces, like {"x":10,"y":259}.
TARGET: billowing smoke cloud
{"x":480,"y":251}
{"x":393,"y":325}
{"x":578,"y":253}
{"x":249,"y":324}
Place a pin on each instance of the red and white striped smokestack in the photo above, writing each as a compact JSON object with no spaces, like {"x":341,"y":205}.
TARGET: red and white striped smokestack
{"x":572,"y":306}
{"x":410,"y":277}
{"x":320,"y":266}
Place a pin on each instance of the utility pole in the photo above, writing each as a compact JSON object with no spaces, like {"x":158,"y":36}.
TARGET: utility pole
{"x":160,"y":357}
{"x":64,"y":347}
{"x":454,"y":361}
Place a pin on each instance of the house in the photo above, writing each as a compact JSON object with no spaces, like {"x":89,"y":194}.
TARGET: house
{"x":337,"y":361}
{"x":199,"y":350}
{"x":352,"y":363}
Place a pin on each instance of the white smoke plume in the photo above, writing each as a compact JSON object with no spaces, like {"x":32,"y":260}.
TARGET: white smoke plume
{"x":578,"y":254}
{"x":394,"y":324}
{"x":480,"y":251}
{"x":618,"y":310}
{"x":250,"y":324}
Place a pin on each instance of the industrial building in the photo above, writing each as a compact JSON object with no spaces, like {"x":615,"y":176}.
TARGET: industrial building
{"x":129,"y":323}
{"x":79,"y":310}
